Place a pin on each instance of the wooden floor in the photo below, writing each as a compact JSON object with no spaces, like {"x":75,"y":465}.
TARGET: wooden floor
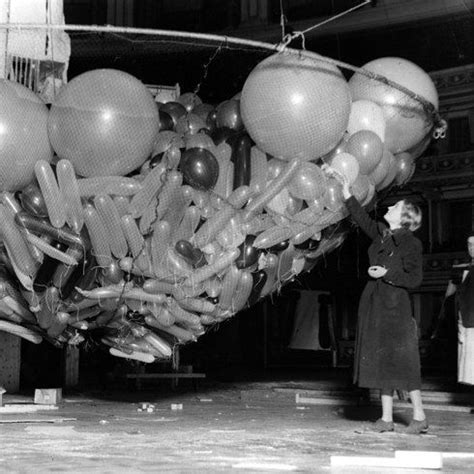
{"x":241,"y":427}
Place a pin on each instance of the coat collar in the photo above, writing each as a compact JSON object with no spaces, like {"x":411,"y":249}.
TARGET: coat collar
{"x":397,"y":235}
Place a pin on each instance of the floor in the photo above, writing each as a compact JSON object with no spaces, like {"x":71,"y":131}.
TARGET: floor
{"x":242,"y":426}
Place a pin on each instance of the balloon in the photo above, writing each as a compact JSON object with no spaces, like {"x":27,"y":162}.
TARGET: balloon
{"x":360,"y":187}
{"x":391,"y":173}
{"x":295,"y":107}
{"x":189,"y":124}
{"x":174,"y":109}
{"x":23,"y":135}
{"x":166,"y":122}
{"x":347,"y":165}
{"x":406,"y":120}
{"x":279,"y":247}
{"x":241,"y":145}
{"x":275,"y":165}
{"x":32,"y":200}
{"x":341,"y":147}
{"x":228,"y":115}
{"x":248,"y":254}
{"x":105,"y":122}
{"x":333,"y":198}
{"x":367,"y":148}
{"x":200,"y":168}
{"x":405,"y":165}
{"x":221,"y":135}
{"x":420,"y":147}
{"x":200,"y":140}
{"x":190,"y":100}
{"x":366,"y":115}
{"x":203,"y":110}
{"x":165,"y":140}
{"x":259,"y":280}
{"x":381,"y":170}
{"x":309,"y":182}
{"x":309,"y":244}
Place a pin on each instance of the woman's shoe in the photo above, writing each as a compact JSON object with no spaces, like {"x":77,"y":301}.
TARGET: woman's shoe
{"x":381,"y":426}
{"x":417,"y":427}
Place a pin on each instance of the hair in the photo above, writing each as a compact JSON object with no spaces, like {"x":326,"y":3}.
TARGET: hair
{"x":411,"y":216}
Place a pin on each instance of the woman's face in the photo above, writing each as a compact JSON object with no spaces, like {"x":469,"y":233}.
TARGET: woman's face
{"x":394,"y":214}
{"x":470,"y":246}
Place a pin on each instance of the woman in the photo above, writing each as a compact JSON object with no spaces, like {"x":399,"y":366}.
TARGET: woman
{"x":462,"y":283}
{"x":386,"y":352}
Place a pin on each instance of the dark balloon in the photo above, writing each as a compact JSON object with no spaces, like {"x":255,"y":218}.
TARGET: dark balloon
{"x":174,"y":109}
{"x":248,"y":253}
{"x":32,"y":201}
{"x":241,"y":145}
{"x":47,"y":269}
{"x":228,"y":115}
{"x":279,"y":247}
{"x":259,"y":280}
{"x":166,"y":121}
{"x":186,"y":250}
{"x":84,"y":277}
{"x":156,"y":160}
{"x":220,"y":135}
{"x":199,"y":258}
{"x":309,"y":244}
{"x":200,"y":168}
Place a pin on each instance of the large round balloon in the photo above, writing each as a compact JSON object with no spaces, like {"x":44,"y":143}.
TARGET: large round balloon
{"x":366,"y":115}
{"x":295,"y":107}
{"x":23,"y":135}
{"x":405,"y":119}
{"x":200,"y":168}
{"x":347,"y":165}
{"x":105,"y":122}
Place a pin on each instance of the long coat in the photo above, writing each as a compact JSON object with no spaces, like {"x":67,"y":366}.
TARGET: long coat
{"x":386,"y":351}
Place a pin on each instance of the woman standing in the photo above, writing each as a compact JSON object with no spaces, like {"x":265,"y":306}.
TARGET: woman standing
{"x":386,"y":352}
{"x":463,"y":285}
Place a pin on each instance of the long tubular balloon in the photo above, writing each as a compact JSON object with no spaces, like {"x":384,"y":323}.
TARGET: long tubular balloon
{"x":111,"y":220}
{"x":241,"y":146}
{"x":201,"y":274}
{"x":116,"y":185}
{"x":182,"y":316}
{"x":154,"y":286}
{"x":258,"y":224}
{"x":213,"y":287}
{"x":285,"y":265}
{"x":52,"y":197}
{"x":229,"y":285}
{"x":68,"y":259}
{"x":140,"y":356}
{"x":122,"y":204}
{"x":182,"y":335}
{"x":229,"y":180}
{"x":258,"y":170}
{"x":8,"y":199}
{"x":161,"y":314}
{"x":195,"y":305}
{"x":271,"y":269}
{"x":223,"y":154}
{"x":177,"y":208}
{"x":219,"y":220}
{"x":160,"y":241}
{"x":19,"y":309}
{"x":135,"y":240}
{"x":22,"y":261}
{"x":176,"y":264}
{"x":150,"y":187}
{"x":302,"y":236}
{"x":169,"y":192}
{"x":49,"y":305}
{"x":259,"y":201}
{"x":69,"y":189}
{"x":160,"y":344}
{"x":242,"y":292}
{"x":39,"y":226}
{"x":272,"y":236}
{"x":20,"y":331}
{"x":98,"y":235}
{"x":148,"y":217}
{"x":188,"y":225}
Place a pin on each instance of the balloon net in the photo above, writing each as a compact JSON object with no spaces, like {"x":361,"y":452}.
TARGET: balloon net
{"x":175,"y":179}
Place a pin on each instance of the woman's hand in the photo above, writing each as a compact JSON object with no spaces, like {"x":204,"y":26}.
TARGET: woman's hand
{"x":341,"y":178}
{"x":377,"y":271}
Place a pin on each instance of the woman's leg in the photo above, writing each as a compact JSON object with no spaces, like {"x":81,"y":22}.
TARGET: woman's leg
{"x":418,"y":412}
{"x":387,"y":405}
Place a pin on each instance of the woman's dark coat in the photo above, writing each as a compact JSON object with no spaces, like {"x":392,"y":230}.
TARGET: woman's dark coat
{"x":386,"y":352}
